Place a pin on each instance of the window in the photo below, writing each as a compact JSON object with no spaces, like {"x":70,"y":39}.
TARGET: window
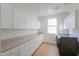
{"x":52,"y":26}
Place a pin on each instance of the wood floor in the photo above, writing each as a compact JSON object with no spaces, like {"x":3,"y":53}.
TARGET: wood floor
{"x":47,"y":50}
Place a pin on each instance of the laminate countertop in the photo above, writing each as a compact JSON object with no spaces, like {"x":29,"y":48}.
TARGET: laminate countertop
{"x":13,"y":42}
{"x":65,"y":35}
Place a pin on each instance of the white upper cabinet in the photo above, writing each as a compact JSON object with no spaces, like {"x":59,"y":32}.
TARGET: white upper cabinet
{"x":39,"y":24}
{"x":13,"y":18}
{"x":31,"y":22}
{"x":6,"y":16}
{"x":28,"y":22}
{"x":18,"y":19}
{"x":72,"y":20}
{"x":35,"y":23}
{"x":69,"y":22}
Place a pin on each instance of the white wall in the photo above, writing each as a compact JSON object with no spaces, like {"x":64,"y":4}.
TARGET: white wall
{"x":9,"y":33}
{"x":51,"y":38}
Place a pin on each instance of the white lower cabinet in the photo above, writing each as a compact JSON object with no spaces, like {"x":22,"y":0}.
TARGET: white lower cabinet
{"x":26,"y":49}
{"x":11,"y":52}
{"x":29,"y":48}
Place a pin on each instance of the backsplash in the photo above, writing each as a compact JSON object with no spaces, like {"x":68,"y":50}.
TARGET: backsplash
{"x":9,"y":33}
{"x":65,"y":31}
{"x":74,"y":33}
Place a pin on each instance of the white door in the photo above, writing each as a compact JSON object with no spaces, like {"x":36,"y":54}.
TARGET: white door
{"x":6,"y":16}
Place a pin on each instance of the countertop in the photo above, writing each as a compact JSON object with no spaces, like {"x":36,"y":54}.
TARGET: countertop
{"x":13,"y":42}
{"x":65,"y":35}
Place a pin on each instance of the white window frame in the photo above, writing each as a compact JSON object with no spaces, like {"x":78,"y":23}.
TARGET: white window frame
{"x":52,"y":25}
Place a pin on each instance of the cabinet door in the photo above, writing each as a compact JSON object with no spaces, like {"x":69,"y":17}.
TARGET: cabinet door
{"x":11,"y":52}
{"x":6,"y":16}
{"x":28,"y":22}
{"x":67,"y":23}
{"x":25,"y":49}
{"x":35,"y":23}
{"x":18,"y":19}
{"x":72,"y":21}
{"x":38,"y":24}
{"x":28,"y":48}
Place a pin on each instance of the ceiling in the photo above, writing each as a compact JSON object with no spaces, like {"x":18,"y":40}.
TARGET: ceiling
{"x":42,"y":9}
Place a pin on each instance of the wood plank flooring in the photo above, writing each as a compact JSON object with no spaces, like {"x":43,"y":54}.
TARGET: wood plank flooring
{"x":47,"y":50}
